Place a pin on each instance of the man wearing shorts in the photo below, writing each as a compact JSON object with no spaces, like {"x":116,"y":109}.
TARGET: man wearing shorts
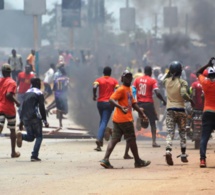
{"x":61,"y":84}
{"x":7,"y":108}
{"x":145,"y":86}
{"x":124,"y":101}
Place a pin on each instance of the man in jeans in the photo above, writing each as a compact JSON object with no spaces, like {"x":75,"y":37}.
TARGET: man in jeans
{"x":208,"y":122}
{"x":106,"y":85}
{"x":23,"y":83}
{"x":32,"y":113}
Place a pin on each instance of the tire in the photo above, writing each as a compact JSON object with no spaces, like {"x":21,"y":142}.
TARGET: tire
{"x":197,"y":144}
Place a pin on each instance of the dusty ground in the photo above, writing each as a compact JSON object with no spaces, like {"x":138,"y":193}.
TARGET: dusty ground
{"x":72,"y":167}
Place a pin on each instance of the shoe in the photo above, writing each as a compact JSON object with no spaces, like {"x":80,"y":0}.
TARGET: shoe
{"x":19,"y":139}
{"x":142,"y":163}
{"x":35,"y":159}
{"x":169,"y":160}
{"x":155,"y":145}
{"x":184,"y":158}
{"x":127,"y":157}
{"x":107,"y":134}
{"x":15,"y":155}
{"x":203,"y":163}
{"x":138,"y":124}
{"x":106,"y":164}
{"x":98,"y":149}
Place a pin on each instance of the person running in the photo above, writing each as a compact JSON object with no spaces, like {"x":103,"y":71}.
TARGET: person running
{"x":177,"y":93}
{"x":60,"y":89}
{"x":124,"y":101}
{"x":208,"y":122}
{"x":106,"y":85}
{"x":145,"y":86}
{"x":49,"y":78}
{"x":7,"y":108}
{"x":24,"y":83}
{"x":32,"y":113}
{"x":15,"y":60}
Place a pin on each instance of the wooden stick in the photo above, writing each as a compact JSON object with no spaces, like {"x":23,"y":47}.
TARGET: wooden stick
{"x":54,"y":131}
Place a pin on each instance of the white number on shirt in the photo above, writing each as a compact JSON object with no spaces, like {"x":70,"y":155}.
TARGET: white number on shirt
{"x":142,"y":89}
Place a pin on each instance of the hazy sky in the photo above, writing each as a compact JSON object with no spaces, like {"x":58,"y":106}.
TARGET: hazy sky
{"x":113,"y":5}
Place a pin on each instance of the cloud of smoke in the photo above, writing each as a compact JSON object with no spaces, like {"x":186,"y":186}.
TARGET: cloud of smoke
{"x":202,"y":19}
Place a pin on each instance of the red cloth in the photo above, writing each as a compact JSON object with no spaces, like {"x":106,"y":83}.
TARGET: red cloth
{"x":145,"y":86}
{"x":107,"y":86}
{"x":125,"y":98}
{"x":7,"y":106}
{"x":208,"y":87}
{"x":24,"y":81}
{"x":193,"y":78}
{"x":197,"y":95}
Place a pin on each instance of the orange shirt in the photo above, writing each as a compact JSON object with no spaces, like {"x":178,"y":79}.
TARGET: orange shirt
{"x":107,"y":86}
{"x":208,"y":87}
{"x":31,"y":60}
{"x":8,"y":85}
{"x":125,"y":98}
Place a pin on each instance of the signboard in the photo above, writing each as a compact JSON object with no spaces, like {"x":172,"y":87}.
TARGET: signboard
{"x":71,"y":4}
{"x":71,"y":13}
{"x":17,"y":29}
{"x":35,"y":7}
{"x":71,"y":18}
{"x":127,"y":19}
{"x":170,"y":17}
{"x":96,"y":11}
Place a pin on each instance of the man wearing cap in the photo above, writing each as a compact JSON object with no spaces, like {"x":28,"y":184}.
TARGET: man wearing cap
{"x":208,"y":122}
{"x":15,"y":60}
{"x":124,"y":101}
{"x":7,"y":108}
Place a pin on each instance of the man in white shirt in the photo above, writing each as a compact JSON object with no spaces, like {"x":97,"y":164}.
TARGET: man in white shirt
{"x":49,"y":78}
{"x":15,"y":60}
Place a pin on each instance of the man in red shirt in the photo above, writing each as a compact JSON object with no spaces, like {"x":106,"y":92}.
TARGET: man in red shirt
{"x":24,"y":83}
{"x":106,"y":85}
{"x":208,"y":122}
{"x":7,"y":108}
{"x":145,"y":85}
{"x":197,"y":95}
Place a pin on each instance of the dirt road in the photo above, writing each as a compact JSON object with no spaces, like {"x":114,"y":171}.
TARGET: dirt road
{"x":72,"y":167}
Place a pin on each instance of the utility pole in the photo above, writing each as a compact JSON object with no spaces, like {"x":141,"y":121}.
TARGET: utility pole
{"x":156,"y":25}
{"x":36,"y":44}
{"x":127,"y":3}
{"x":36,"y":9}
{"x":186,"y":24}
{"x":128,"y":41}
{"x":170,"y":5}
